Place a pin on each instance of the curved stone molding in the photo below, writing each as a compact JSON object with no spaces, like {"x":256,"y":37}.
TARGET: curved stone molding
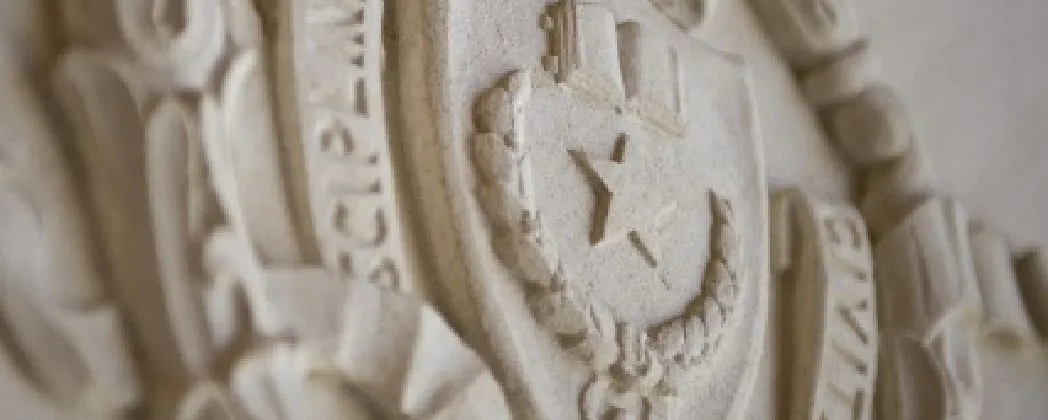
{"x":830,"y":353}
{"x":338,"y":66}
{"x":243,"y":120}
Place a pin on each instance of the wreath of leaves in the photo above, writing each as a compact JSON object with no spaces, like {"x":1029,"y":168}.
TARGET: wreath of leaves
{"x":631,"y":367}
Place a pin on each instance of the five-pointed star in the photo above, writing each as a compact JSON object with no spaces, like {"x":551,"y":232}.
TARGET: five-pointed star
{"x":631,"y":202}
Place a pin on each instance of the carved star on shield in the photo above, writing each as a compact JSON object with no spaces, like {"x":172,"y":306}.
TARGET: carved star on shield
{"x":632,"y":203}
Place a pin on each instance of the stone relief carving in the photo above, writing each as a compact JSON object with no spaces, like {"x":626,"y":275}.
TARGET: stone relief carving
{"x":343,"y":120}
{"x":60,"y":327}
{"x":631,"y":203}
{"x":1032,"y":272}
{"x":924,"y":291}
{"x":203,"y":261}
{"x":809,"y":31}
{"x":921,"y":241}
{"x":631,"y":366}
{"x":870,"y":127}
{"x":686,"y":14}
{"x":1004,"y":314}
{"x":831,"y":352}
{"x":619,"y":63}
{"x":841,"y":78}
{"x":601,"y":237}
{"x":212,"y":297}
{"x":863,"y":117}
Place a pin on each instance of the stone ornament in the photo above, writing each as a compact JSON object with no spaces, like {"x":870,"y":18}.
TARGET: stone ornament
{"x":808,"y":31}
{"x":841,"y":78}
{"x":927,"y":292}
{"x":1004,"y":315}
{"x":894,"y":189}
{"x":686,"y":14}
{"x":63,"y":333}
{"x":870,"y":127}
{"x":863,"y":117}
{"x":628,"y":209}
{"x":215,"y":299}
{"x":338,"y":66}
{"x":929,"y":367}
{"x":618,"y":63}
{"x":1032,"y":272}
{"x":829,"y":356}
{"x":609,"y":220}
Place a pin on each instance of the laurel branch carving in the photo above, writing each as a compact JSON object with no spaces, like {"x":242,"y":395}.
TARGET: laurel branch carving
{"x":634,"y":369}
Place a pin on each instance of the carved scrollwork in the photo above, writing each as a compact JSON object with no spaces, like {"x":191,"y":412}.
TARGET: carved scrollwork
{"x":183,"y":39}
{"x":634,"y":369}
{"x":181,"y":148}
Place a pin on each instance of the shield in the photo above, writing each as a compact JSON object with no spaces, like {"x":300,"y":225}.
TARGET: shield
{"x":594,"y":203}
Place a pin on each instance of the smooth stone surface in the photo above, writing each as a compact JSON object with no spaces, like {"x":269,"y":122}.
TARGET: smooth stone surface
{"x":871,"y":127}
{"x":930,"y":368}
{"x":808,"y":31}
{"x":894,"y":189}
{"x":841,"y":77}
{"x":1004,"y":316}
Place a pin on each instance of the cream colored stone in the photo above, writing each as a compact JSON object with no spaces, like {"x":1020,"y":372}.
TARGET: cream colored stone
{"x":830,"y":353}
{"x":958,"y":223}
{"x":871,"y":127}
{"x":842,"y":77}
{"x":1004,"y":316}
{"x":686,"y":14}
{"x":893,"y":190}
{"x":284,"y":204}
{"x":651,"y":77}
{"x":584,"y":52}
{"x":249,"y":141}
{"x":182,"y":43}
{"x":64,"y":330}
{"x":191,"y":193}
{"x":611,"y":263}
{"x":337,"y":73}
{"x":169,"y":130}
{"x":929,"y":368}
{"x":808,"y":31}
